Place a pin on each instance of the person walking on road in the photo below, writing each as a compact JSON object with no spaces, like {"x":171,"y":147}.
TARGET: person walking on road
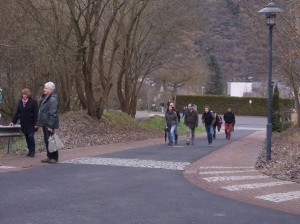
{"x":216,"y":124}
{"x":48,"y":118}
{"x":176,"y":128}
{"x":171,"y":122}
{"x":162,"y":105}
{"x":184,"y":111}
{"x":208,"y":119}
{"x":191,"y":122}
{"x":229,"y":120}
{"x":27,"y":112}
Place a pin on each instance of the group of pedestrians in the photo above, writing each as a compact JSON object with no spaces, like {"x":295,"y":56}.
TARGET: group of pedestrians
{"x":211,"y":120}
{"x":33,"y":115}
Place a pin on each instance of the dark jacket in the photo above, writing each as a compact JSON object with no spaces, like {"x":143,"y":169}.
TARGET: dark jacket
{"x":171,"y":118}
{"x":28,"y":115}
{"x":177,"y":113}
{"x":208,"y":118}
{"x":229,"y":118}
{"x":48,"y":113}
{"x":191,"y":119}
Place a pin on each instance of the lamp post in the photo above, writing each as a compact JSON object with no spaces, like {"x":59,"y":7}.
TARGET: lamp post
{"x":270,"y":12}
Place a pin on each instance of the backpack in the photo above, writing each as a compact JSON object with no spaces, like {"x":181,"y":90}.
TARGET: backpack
{"x":220,"y":121}
{"x":178,"y":116}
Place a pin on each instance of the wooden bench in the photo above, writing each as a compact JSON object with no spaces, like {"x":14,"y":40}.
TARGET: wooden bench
{"x":10,"y":132}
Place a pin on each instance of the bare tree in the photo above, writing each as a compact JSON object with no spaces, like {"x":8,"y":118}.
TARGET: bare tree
{"x":89,"y":18}
{"x":151,"y":35}
{"x":289,"y":49}
{"x":286,"y":43}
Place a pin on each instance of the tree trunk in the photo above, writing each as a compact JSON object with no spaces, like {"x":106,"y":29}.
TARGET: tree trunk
{"x":296,"y":91}
{"x":78,"y":79}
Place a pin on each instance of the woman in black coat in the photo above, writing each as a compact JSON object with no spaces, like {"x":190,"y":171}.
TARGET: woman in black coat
{"x":27,"y":112}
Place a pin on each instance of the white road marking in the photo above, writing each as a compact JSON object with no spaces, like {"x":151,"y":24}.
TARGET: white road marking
{"x":232,"y":171}
{"x":281,"y":197}
{"x":130,"y":163}
{"x":229,"y":178}
{"x":255,"y":185}
{"x":6,"y":167}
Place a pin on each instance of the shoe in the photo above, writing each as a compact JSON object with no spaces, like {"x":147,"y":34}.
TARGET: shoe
{"x":45,"y":160}
{"x":170,"y":144}
{"x":209,"y":145}
{"x":30,"y":154}
{"x":52,"y":161}
{"x":187,"y":143}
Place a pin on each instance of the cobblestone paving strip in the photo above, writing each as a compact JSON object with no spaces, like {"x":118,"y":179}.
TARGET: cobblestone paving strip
{"x":221,"y":172}
{"x":169,"y":165}
{"x":230,"y":178}
{"x":225,"y":167}
{"x":281,"y":197}
{"x":255,"y":185}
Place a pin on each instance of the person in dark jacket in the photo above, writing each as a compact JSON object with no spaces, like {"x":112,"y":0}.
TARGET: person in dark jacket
{"x":27,"y":112}
{"x":191,"y":122}
{"x":229,"y":120}
{"x":48,"y":118}
{"x":184,"y":111}
{"x":171,"y":122}
{"x":208,"y":119}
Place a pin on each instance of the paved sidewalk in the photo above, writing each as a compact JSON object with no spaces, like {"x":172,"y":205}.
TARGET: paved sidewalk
{"x":229,"y":171}
{"x":14,"y":163}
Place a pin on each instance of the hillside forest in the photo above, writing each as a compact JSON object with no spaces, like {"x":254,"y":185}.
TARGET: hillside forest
{"x":130,"y":54}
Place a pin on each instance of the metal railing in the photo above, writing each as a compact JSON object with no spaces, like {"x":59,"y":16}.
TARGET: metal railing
{"x":10,"y":132}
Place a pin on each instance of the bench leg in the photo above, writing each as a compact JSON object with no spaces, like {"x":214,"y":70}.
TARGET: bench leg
{"x":9,"y":144}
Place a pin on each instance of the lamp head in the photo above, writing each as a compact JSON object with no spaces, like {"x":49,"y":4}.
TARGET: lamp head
{"x":271,"y":10}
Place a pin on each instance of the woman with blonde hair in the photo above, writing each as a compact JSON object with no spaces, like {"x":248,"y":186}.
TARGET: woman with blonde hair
{"x":27,"y":112}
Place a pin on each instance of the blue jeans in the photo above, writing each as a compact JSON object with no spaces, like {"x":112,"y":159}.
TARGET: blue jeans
{"x":30,"y":143}
{"x":176,"y":134}
{"x":171,"y":133}
{"x":209,"y":131}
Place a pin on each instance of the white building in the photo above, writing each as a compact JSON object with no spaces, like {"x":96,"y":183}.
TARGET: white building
{"x":238,"y":88}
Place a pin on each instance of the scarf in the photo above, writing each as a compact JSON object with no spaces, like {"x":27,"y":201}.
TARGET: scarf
{"x":24,"y":102}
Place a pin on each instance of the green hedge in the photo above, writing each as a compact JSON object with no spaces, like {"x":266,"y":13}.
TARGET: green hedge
{"x":239,"y":105}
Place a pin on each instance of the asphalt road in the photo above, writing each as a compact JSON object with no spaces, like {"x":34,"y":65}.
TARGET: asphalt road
{"x":242,"y":122}
{"x":115,"y":194}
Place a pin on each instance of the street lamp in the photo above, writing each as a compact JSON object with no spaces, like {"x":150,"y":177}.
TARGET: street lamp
{"x":270,"y":12}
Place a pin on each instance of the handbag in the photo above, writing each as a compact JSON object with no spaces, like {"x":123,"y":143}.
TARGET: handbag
{"x":54,"y":143}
